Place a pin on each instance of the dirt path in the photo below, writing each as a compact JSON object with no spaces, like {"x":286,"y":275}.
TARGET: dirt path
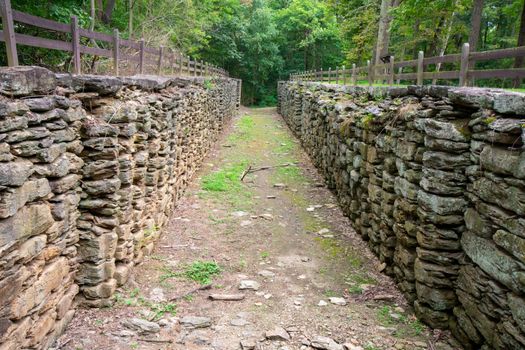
{"x":280,"y":228}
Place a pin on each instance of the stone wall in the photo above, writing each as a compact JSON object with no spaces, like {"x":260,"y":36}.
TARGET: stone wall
{"x":90,"y":168}
{"x":433,"y":178}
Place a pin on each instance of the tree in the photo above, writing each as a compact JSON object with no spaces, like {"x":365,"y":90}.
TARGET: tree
{"x":475,"y":24}
{"x":518,"y":63}
{"x":383,"y":33}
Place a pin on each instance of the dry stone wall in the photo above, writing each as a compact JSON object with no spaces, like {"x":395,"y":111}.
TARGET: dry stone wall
{"x":90,"y":168}
{"x":433,"y":178}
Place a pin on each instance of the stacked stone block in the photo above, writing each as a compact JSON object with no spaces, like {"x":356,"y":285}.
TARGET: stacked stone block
{"x":40,"y":169}
{"x":433,"y":178}
{"x":90,"y":169}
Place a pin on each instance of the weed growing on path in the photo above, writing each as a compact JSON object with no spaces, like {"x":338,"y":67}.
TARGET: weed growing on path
{"x":158,"y":310}
{"x":202,"y":271}
{"x":245,"y":130}
{"x":198,"y":271}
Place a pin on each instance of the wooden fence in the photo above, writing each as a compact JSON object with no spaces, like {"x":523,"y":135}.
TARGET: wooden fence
{"x":393,"y":71}
{"x":161,"y":59}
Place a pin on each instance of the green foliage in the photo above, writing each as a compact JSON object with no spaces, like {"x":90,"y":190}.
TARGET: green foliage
{"x":263,"y":41}
{"x":198,"y":271}
{"x":202,"y":271}
{"x":224,"y":180}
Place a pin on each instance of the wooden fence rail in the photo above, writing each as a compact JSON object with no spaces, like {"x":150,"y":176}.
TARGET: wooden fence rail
{"x":392,"y":72}
{"x":161,"y":59}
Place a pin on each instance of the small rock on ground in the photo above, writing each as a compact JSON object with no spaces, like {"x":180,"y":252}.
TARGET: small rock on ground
{"x":278,"y":333}
{"x":249,"y":284}
{"x":195,"y":322}
{"x":338,"y":301}
{"x":325,"y":343}
{"x":142,"y":326}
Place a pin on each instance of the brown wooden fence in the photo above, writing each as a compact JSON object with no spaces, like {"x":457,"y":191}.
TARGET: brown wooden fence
{"x":393,"y":72}
{"x":158,"y":60}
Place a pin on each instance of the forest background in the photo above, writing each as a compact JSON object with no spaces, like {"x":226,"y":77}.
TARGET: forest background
{"x":263,"y":41}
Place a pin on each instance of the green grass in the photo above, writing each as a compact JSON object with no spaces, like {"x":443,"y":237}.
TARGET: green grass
{"x":202,"y":271}
{"x":225,"y":186}
{"x":224,"y":180}
{"x":134,"y":299}
{"x":198,"y":271}
{"x":245,"y":130}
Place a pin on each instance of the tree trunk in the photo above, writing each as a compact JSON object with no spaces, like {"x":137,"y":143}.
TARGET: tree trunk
{"x":92,"y":13}
{"x":444,"y":43}
{"x":475,"y":24}
{"x":130,"y":20}
{"x":518,"y":63}
{"x":108,"y":11}
{"x":382,"y":32}
{"x":100,"y":6}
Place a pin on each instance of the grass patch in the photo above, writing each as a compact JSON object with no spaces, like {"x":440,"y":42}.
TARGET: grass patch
{"x":202,"y":271}
{"x":245,"y":130}
{"x":406,"y":326}
{"x":198,"y":271}
{"x":224,"y":180}
{"x":134,"y":299}
{"x":225,"y":186}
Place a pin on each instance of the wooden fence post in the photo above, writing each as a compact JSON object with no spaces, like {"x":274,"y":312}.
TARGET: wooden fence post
{"x":329,"y":74}
{"x":321,"y":75}
{"x":399,"y":72}
{"x":206,"y":69}
{"x":337,"y":74}
{"x":392,"y":71}
{"x":141,"y":57}
{"x":354,"y":76}
{"x":344,"y":75}
{"x":420,"y":67}
{"x":463,"y":70}
{"x":194,"y":68}
{"x":116,"y":50}
{"x":75,"y":37}
{"x":369,"y":72}
{"x":9,"y":33}
{"x":202,"y":68}
{"x":172,"y":61}
{"x":161,"y":54}
{"x":181,"y":63}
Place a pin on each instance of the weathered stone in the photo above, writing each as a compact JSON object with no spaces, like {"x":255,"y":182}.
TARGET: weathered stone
{"x":15,"y":173}
{"x":441,"y":205}
{"x":31,"y":220}
{"x":101,"y":290}
{"x":195,"y":322}
{"x":15,"y":198}
{"x":501,"y":161}
{"x":511,"y":243}
{"x":445,"y":161}
{"x":50,"y":279}
{"x":437,"y":299}
{"x":19,"y":81}
{"x":97,"y":248}
{"x":510,"y":102}
{"x":248,"y":284}
{"x":99,"y":187}
{"x":517,"y":307}
{"x":492,"y":260}
{"x":65,"y":183}
{"x":456,"y":130}
{"x":508,"y":197}
{"x":141,"y":326}
{"x":277,"y":333}
{"x":325,"y":343}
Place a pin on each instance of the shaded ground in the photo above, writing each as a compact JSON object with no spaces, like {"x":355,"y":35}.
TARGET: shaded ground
{"x":279,"y":227}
